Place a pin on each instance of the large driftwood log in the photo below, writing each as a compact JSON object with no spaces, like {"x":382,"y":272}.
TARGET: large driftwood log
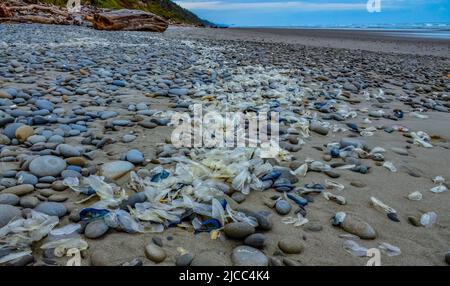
{"x":38,"y":8}
{"x":129,"y":20}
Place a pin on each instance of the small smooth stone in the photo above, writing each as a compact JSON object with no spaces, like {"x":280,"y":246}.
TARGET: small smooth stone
{"x":8,"y":213}
{"x":256,"y":240}
{"x":264,"y":221}
{"x":238,"y":230}
{"x":57,"y":198}
{"x":128,"y":138}
{"x":4,"y":140}
{"x":116,"y":169}
{"x":108,"y":114}
{"x":34,"y":139}
{"x":119,"y":82}
{"x":135,"y":156}
{"x":120,"y":122}
{"x":155,"y":253}
{"x":319,"y":129}
{"x":148,"y":124}
{"x":414,"y":221}
{"x":46,"y":192}
{"x":23,"y":132}
{"x":248,"y":256}
{"x":19,"y":190}
{"x":10,"y":130}
{"x":8,"y":182}
{"x":67,"y":150}
{"x":184,"y":259}
{"x":44,"y":104}
{"x":327,"y":158}
{"x":314,"y":227}
{"x":291,"y":245}
{"x":58,"y":186}
{"x":282,"y":207}
{"x":358,"y":184}
{"x":9,"y":199}
{"x":47,"y":165}
{"x":27,"y":178}
{"x":74,"y":215}
{"x":56,"y":139}
{"x":29,"y":202}
{"x":52,"y":209}
{"x":158,"y":241}
{"x":77,"y":161}
{"x":358,"y":227}
{"x":96,"y":229}
{"x":47,"y":180}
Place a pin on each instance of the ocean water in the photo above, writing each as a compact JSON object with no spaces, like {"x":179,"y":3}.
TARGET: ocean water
{"x":438,"y":31}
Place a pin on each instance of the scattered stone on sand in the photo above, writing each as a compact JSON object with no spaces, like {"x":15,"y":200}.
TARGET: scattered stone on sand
{"x":47,"y":165}
{"x":184,"y":259}
{"x":358,"y":227}
{"x":155,"y":253}
{"x":248,"y":256}
{"x":19,"y":190}
{"x":256,"y":240}
{"x":8,"y":213}
{"x":96,"y":229}
{"x":291,"y":245}
{"x":52,"y":209}
{"x":9,"y":199}
{"x":116,"y":169}
{"x":238,"y":230}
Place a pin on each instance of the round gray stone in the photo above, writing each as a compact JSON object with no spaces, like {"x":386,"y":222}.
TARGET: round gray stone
{"x":52,"y":209}
{"x":96,"y":229}
{"x":47,"y":165}
{"x":248,"y":256}
{"x":8,"y":213}
{"x":135,"y":156}
{"x":9,"y":199}
{"x":282,"y":207}
{"x":238,"y":230}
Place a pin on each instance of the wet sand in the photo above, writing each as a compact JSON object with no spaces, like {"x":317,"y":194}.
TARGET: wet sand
{"x":367,"y":40}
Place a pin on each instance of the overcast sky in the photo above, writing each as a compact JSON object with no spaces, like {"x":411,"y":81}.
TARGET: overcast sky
{"x":317,"y":12}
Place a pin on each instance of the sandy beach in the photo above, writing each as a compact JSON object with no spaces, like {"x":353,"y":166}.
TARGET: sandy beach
{"x":107,"y":85}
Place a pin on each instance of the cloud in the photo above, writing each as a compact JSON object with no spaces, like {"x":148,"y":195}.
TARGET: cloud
{"x":288,"y":5}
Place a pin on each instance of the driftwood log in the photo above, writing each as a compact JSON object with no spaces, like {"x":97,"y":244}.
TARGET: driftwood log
{"x":20,"y":11}
{"x":129,"y":20}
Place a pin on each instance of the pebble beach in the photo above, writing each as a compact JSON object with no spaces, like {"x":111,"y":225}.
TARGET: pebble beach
{"x":87,"y":162}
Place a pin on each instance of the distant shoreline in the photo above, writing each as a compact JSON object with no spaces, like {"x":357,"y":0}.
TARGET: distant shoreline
{"x":373,"y":33}
{"x":400,"y":42}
